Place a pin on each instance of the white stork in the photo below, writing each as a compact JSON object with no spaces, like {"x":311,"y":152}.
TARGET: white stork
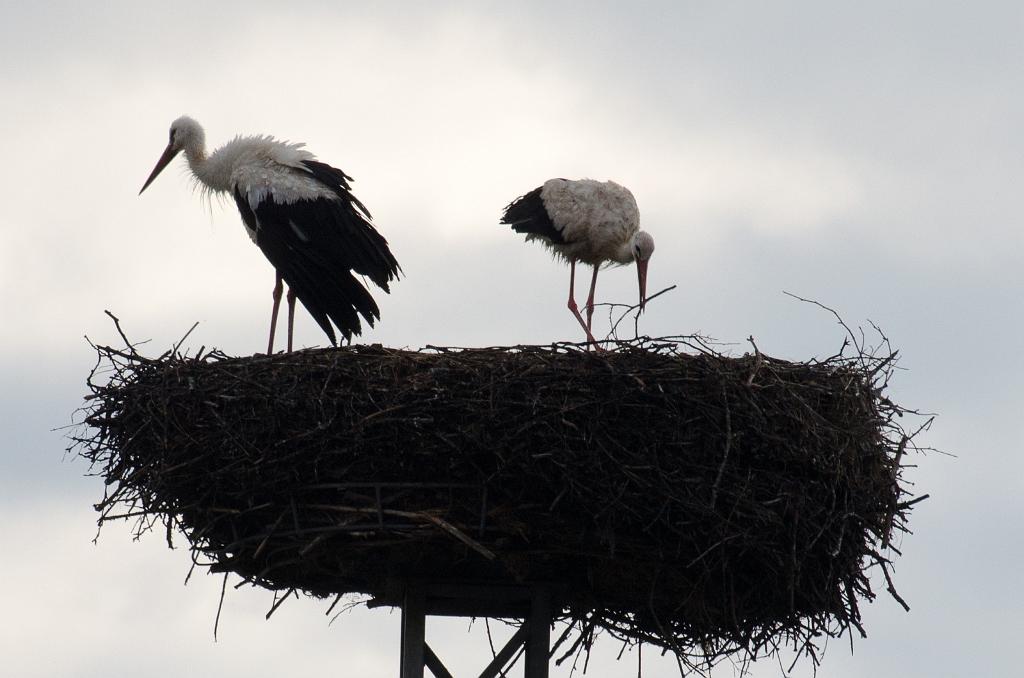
{"x":303,"y":216}
{"x":590,"y":221}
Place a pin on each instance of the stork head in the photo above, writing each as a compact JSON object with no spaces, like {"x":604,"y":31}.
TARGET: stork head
{"x":643,"y":248}
{"x":187,"y":135}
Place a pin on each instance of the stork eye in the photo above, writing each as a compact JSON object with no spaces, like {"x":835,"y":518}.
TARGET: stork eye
{"x":172,"y":136}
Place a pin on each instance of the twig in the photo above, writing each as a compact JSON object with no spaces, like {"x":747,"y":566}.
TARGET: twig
{"x":757,"y":361}
{"x":900,"y":449}
{"x":891,"y":588}
{"x":181,"y":341}
{"x":629,"y":309}
{"x":279,"y":601}
{"x":117,"y":324}
{"x":220,"y":605}
{"x":839,"y":319}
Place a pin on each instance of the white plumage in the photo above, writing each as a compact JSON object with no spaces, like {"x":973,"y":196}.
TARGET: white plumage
{"x":597,"y":220}
{"x":303,"y":216}
{"x":585,"y":220}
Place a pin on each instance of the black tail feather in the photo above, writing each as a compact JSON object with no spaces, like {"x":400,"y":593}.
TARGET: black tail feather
{"x":527,"y":214}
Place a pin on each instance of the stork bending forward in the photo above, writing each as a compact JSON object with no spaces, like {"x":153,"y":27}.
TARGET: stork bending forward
{"x":303,"y":216}
{"x":590,"y":221}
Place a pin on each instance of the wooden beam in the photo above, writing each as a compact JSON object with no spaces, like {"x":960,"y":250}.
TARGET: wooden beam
{"x":538,"y":640}
{"x":434,"y":663}
{"x":414,"y":622}
{"x":532,"y":604}
{"x":505,"y":654}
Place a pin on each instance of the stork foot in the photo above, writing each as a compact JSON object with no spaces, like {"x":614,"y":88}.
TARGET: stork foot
{"x":576,"y":312}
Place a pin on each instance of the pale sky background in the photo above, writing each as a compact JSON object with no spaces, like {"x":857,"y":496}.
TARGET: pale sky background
{"x":868,"y":156}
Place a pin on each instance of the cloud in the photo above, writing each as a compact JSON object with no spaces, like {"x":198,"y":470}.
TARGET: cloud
{"x":106,"y":630}
{"x":865,"y":156}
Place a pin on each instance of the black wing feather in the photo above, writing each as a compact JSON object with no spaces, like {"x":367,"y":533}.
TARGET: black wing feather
{"x":527,"y":214}
{"x":369,"y":254}
{"x":337,"y":181}
{"x":315,"y":245}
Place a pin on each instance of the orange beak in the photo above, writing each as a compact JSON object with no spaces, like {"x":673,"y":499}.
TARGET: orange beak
{"x":164,"y":160}
{"x":641,"y":274}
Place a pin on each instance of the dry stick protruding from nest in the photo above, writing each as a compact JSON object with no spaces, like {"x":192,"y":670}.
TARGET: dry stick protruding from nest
{"x":627,"y":309}
{"x":709,"y":505}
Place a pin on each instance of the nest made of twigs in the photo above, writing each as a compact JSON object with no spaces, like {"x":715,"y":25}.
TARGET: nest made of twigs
{"x":668,"y":494}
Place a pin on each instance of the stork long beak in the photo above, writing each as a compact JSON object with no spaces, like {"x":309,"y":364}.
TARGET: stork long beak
{"x":164,"y":160}
{"x":641,"y":274}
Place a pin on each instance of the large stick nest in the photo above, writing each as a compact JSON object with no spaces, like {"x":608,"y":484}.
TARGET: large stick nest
{"x":668,"y":494}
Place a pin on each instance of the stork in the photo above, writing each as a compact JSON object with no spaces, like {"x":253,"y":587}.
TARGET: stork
{"x":591,"y":221}
{"x":302,"y":215}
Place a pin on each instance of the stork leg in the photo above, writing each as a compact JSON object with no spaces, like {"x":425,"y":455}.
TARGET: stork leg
{"x":572,"y":304}
{"x":291,"y":316}
{"x":278,"y":288}
{"x":590,"y":300}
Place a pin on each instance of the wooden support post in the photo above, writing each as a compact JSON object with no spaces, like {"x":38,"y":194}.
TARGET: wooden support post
{"x":532,"y":605}
{"x":538,"y":639}
{"x":414,"y":627}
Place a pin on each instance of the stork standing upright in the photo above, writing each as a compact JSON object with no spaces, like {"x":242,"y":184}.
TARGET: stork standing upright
{"x":303,"y":216}
{"x":590,"y":221}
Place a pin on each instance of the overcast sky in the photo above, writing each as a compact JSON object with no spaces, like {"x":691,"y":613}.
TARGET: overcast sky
{"x":868,"y":156}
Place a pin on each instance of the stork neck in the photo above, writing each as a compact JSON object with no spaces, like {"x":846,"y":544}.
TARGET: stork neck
{"x":624,"y":252}
{"x":204,"y":170}
{"x":196,"y":155}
